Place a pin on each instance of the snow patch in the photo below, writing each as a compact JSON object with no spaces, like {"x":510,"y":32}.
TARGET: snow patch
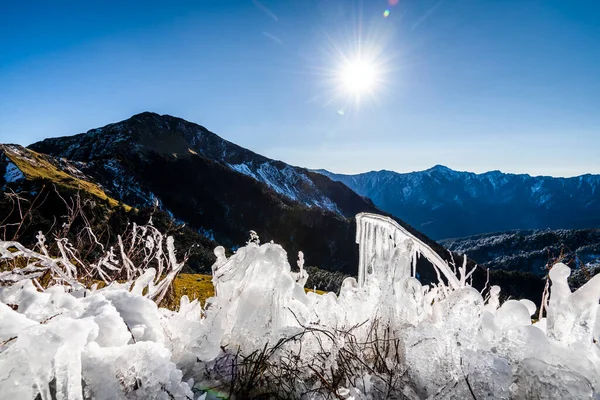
{"x":243,"y":169}
{"x":289,"y":183}
{"x":13,"y":173}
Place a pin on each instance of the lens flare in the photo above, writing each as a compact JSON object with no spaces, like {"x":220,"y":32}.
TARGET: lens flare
{"x":386,"y":13}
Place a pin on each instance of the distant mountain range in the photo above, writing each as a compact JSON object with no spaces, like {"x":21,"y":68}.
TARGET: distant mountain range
{"x":443,"y":203}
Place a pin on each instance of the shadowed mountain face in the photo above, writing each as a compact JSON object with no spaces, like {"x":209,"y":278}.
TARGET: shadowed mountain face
{"x":218,"y":188}
{"x":147,"y":135}
{"x":444,"y":203}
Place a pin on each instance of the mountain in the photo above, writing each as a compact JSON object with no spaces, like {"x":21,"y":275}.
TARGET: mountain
{"x":218,"y":188}
{"x":200,"y":188}
{"x":41,"y":193}
{"x":443,"y":203}
{"x":530,"y":250}
{"x":149,"y":134}
{"x":23,"y":167}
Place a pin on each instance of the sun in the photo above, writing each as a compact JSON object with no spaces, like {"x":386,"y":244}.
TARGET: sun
{"x":357,"y":68}
{"x":358,"y":76}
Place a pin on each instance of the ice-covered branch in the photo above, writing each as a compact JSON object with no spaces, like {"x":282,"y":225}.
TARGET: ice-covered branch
{"x":67,"y":268}
{"x":379,"y":236}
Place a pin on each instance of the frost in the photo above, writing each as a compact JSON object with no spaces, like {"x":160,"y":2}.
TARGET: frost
{"x":243,"y":169}
{"x":287,"y":181}
{"x":384,"y":334}
{"x":13,"y":173}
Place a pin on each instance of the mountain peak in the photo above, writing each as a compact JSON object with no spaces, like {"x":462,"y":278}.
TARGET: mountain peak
{"x":149,"y":136}
{"x":145,"y":114}
{"x":440,"y":167}
{"x":145,"y":132}
{"x":152,"y":116}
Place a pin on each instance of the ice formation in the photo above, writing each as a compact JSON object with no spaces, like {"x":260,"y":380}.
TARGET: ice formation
{"x":385,"y":335}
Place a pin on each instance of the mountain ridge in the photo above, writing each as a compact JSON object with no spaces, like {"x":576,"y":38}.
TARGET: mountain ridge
{"x":444,"y":167}
{"x":176,"y":137}
{"x":220,"y":188}
{"x":444,"y":203}
{"x":531,"y":250}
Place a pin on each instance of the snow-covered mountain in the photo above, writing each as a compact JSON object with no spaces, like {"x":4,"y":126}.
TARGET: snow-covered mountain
{"x":445,"y":203}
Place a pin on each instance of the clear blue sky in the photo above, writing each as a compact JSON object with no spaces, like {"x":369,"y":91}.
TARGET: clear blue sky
{"x":472,"y":84}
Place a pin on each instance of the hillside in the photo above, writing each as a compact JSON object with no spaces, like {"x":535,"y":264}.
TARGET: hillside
{"x":43,"y":194}
{"x":148,"y":136}
{"x":198,"y":197}
{"x":530,"y":250}
{"x":444,"y":203}
{"x":219,"y":189}
{"x":22,"y":165}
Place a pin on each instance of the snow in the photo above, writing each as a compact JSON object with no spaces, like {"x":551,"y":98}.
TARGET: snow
{"x":536,"y":187}
{"x":446,"y":340}
{"x":125,"y":186}
{"x":269,"y":175}
{"x":242,"y":169}
{"x":288,"y":182}
{"x":13,"y":173}
{"x":394,"y":192}
{"x":208,"y":233}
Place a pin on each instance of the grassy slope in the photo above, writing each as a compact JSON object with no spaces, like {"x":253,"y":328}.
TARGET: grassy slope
{"x":34,"y":166}
{"x":198,"y":286}
{"x":194,"y":286}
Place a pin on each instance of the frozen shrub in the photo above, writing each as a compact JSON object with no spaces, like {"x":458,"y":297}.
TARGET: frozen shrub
{"x":384,"y":336}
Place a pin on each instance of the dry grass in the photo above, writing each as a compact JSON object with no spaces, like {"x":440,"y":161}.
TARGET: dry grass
{"x":198,"y":286}
{"x":315,"y":291}
{"x":34,"y":166}
{"x":194,"y":286}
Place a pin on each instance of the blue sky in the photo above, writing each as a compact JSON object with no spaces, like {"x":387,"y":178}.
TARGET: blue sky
{"x":475,"y":85}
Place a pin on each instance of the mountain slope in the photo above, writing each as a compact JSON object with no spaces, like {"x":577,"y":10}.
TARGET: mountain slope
{"x":22,"y":165}
{"x":219,"y":188}
{"x":445,"y":203}
{"x":175,"y":138}
{"x":149,"y":164}
{"x":530,"y":250}
{"x":41,"y":193}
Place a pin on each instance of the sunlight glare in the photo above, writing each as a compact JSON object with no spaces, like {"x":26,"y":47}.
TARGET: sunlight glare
{"x":358,"y":76}
{"x":358,"y":69}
